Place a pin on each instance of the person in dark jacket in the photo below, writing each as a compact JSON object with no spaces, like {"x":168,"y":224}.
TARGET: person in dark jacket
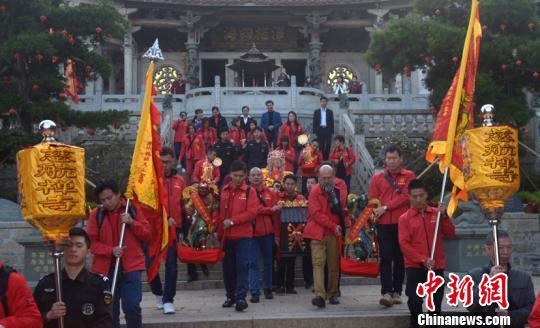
{"x":227,"y":151}
{"x":86,"y":300}
{"x":323,"y":126}
{"x":521,"y":295}
{"x":271,"y":123}
{"x":256,"y":152}
{"x":217,"y":121}
{"x":245,"y":119}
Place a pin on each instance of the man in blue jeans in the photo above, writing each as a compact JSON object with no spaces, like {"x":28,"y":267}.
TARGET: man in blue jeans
{"x":237,"y":210}
{"x":263,"y":237}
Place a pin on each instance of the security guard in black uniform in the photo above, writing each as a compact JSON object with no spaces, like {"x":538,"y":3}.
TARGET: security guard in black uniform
{"x":86,"y":300}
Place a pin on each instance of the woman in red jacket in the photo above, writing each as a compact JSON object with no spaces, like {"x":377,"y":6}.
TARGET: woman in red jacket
{"x":208,"y":134}
{"x":534,"y":317}
{"x":288,"y":151}
{"x":236,"y":133}
{"x":291,"y":129}
{"x":343,"y":158}
{"x":193,"y":150}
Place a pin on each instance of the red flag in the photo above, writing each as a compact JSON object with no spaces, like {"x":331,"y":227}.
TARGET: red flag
{"x":456,"y":113}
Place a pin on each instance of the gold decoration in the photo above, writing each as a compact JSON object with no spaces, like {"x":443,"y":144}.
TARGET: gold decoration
{"x":164,"y":78}
{"x":339,"y":71}
{"x":52,"y":187}
{"x":491,"y":164}
{"x":294,"y":203}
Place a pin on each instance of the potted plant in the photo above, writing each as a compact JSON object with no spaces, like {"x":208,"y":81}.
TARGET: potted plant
{"x":530,"y":200}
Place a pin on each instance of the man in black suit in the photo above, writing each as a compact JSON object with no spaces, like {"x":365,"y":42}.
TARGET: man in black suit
{"x":323,"y":126}
{"x":245,"y":119}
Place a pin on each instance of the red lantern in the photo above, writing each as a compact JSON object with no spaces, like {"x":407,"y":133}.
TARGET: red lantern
{"x":531,"y":26}
{"x":91,"y":132}
{"x":64,"y":33}
{"x":407,"y":71}
{"x":503,"y":27}
{"x":536,"y":75}
{"x":116,"y":125}
{"x":3,"y":9}
{"x":378,"y":68}
{"x":17,"y":56}
{"x":99,"y":30}
{"x":455,"y":59}
{"x":55,"y":59}
{"x":519,"y":62}
{"x":12,"y":111}
{"x":62,"y":96}
{"x":71,"y":39}
{"x":42,"y":18}
{"x":51,"y":31}
{"x":504,"y":67}
{"x":35,"y":88}
{"x":39,"y":57}
{"x":437,"y":11}
{"x":427,"y":59}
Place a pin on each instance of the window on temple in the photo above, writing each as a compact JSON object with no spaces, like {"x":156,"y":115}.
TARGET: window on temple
{"x":163,"y":79}
{"x":337,"y":71}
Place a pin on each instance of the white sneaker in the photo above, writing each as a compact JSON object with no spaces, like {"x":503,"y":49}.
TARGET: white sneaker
{"x":159,"y":302}
{"x":168,"y":308}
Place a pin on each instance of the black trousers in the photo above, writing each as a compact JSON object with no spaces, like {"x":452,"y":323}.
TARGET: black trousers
{"x":391,"y":262}
{"x":325,"y":141}
{"x":286,"y":272}
{"x":417,"y":276}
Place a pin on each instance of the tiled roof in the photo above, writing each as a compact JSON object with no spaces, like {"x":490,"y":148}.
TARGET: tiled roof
{"x":249,"y":3}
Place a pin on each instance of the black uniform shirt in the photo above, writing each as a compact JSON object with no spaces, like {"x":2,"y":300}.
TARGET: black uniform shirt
{"x":87,"y":300}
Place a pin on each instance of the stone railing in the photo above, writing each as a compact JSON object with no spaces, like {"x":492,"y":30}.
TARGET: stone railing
{"x":384,"y":122}
{"x":364,"y":168}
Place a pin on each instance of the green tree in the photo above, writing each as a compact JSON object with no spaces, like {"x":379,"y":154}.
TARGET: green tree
{"x":431,"y":38}
{"x":37,"y":37}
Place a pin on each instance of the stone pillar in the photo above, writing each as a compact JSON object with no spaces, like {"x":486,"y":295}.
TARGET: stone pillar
{"x":112,"y":82}
{"x":195,"y":32}
{"x":128,"y":63}
{"x":315,"y":63}
{"x":378,"y":83}
{"x":193,"y":67}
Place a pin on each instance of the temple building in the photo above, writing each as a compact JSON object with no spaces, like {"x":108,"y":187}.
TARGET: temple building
{"x":313,"y":40}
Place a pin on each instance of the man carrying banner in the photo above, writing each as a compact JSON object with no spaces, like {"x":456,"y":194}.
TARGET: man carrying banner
{"x":390,"y":187}
{"x":238,"y":208}
{"x":104,"y":226}
{"x":416,"y":233}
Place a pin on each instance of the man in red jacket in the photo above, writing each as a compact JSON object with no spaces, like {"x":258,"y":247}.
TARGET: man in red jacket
{"x":174,"y":186}
{"x":180,"y":130}
{"x":326,"y":223}
{"x":263,"y":236}
{"x":343,"y":158}
{"x":18,"y":309}
{"x":416,"y":233}
{"x":205,"y":168}
{"x":104,"y":226}
{"x":237,"y":212}
{"x":390,"y":188}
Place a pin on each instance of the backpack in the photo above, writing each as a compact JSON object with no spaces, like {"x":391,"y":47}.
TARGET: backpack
{"x":5,"y":272}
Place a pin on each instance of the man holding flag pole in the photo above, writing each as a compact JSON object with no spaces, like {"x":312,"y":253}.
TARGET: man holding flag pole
{"x":145,"y":187}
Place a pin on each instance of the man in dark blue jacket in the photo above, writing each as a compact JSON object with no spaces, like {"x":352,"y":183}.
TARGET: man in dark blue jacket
{"x":271,"y":123}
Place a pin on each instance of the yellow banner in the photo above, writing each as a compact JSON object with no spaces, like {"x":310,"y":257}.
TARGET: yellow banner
{"x":52,"y":187}
{"x":490,"y":156}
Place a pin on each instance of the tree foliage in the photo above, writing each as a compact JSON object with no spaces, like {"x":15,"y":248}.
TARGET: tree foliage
{"x":431,"y":38}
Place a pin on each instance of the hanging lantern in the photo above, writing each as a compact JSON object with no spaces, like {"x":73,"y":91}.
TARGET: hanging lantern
{"x":18,"y":56}
{"x":536,"y":75}
{"x":71,"y":39}
{"x":503,"y":27}
{"x":39,"y":57}
{"x":35,"y":88}
{"x":99,"y":30}
{"x":455,"y":60}
{"x":42,"y":18}
{"x":491,"y":166}
{"x":12,"y":111}
{"x":116,"y":125}
{"x":427,"y":59}
{"x":378,"y":68}
{"x":519,"y":62}
{"x":51,"y":185}
{"x":504,"y":67}
{"x":531,"y":26}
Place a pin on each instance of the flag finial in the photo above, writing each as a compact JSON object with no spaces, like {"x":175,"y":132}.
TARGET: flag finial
{"x":154,"y":52}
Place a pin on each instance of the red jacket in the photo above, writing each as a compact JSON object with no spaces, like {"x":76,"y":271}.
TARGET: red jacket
{"x":105,"y":239}
{"x":290,"y":158}
{"x":237,"y":135}
{"x":347,"y":156}
{"x":292,"y":132}
{"x":534,"y":317}
{"x":209,"y":136}
{"x":198,"y":172}
{"x":397,"y":203}
{"x":174,"y":185}
{"x":416,"y":232}
{"x":193,"y":148}
{"x":265,"y":223}
{"x":180,"y":130}
{"x":250,"y":136}
{"x":310,"y":170}
{"x":23,"y":311}
{"x":321,"y":221}
{"x":242,"y":210}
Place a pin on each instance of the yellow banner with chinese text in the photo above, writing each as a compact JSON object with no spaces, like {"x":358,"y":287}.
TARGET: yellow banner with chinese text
{"x":52,"y":187}
{"x":491,"y":164}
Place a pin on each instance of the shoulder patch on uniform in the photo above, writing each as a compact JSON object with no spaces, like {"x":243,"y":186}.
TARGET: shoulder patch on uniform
{"x":88,"y":309}
{"x":104,"y":278}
